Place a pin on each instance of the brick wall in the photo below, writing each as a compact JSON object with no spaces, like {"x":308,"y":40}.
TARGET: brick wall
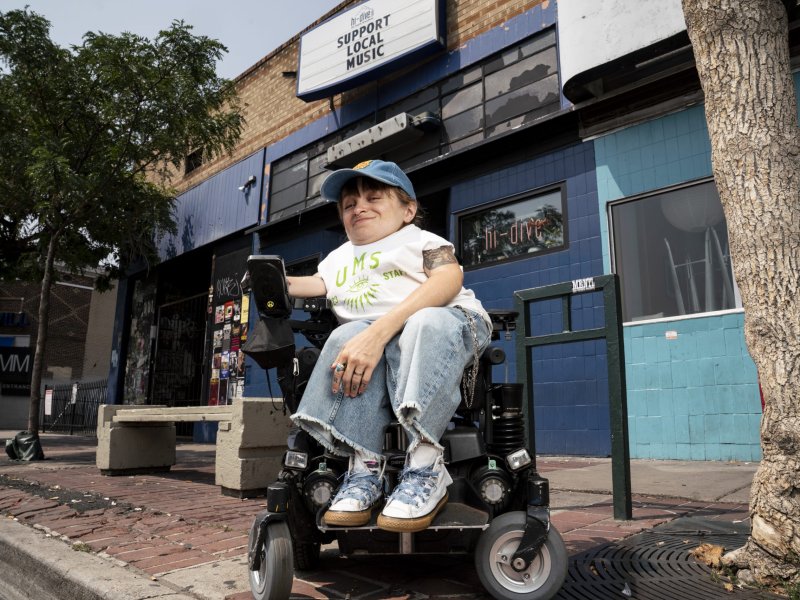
{"x":69,"y":318}
{"x":273,"y":111}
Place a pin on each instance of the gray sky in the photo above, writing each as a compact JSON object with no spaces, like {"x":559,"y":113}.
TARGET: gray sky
{"x":249,"y":28}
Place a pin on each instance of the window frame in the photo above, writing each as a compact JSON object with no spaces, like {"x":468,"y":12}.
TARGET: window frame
{"x":560,"y":186}
{"x":610,"y":205}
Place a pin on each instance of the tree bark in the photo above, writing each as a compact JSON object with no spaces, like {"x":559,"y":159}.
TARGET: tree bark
{"x":742,"y":55}
{"x":41,"y":337}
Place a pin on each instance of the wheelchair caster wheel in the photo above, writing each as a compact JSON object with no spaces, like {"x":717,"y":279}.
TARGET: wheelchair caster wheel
{"x":540,"y":581}
{"x":273,"y":579}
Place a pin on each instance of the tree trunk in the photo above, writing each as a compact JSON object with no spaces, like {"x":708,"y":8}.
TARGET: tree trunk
{"x":742,"y":55}
{"x":41,"y":336}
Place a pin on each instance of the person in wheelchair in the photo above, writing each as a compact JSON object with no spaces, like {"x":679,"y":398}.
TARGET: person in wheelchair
{"x":408,"y":330}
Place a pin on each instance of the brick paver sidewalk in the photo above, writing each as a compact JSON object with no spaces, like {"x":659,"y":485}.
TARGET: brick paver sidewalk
{"x":164,"y":522}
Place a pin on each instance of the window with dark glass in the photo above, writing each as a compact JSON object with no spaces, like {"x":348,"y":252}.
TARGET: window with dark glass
{"x":193,"y":161}
{"x":671,"y":253}
{"x":518,"y":227}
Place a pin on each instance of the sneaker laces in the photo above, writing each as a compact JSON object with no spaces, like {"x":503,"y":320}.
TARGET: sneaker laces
{"x":363,"y":486}
{"x":359,"y":486}
{"x":416,"y":485}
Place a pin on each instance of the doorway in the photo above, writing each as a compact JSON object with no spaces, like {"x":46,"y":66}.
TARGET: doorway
{"x":180,"y":343}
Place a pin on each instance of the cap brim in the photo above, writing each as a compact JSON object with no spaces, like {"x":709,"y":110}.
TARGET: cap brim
{"x":331,"y":188}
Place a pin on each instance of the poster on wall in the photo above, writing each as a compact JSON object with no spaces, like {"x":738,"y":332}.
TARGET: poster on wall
{"x":223,"y":392}
{"x":245,"y":319}
{"x":236,"y":332}
{"x":229,"y":330}
{"x":213,"y":396}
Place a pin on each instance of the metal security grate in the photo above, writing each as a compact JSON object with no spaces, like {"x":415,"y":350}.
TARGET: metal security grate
{"x":656,"y":565}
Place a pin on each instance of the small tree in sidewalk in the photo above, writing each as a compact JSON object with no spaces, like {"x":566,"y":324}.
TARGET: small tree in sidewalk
{"x":88,"y":138}
{"x":742,"y":54}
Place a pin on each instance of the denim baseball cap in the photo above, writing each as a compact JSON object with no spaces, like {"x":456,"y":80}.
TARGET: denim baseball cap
{"x":379,"y":170}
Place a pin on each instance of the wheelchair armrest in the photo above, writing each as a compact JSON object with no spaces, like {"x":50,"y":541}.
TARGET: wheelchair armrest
{"x":312,"y":305}
{"x":502,"y":316}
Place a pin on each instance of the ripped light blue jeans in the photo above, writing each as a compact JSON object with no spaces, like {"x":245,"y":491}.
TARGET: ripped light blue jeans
{"x":417,"y":381}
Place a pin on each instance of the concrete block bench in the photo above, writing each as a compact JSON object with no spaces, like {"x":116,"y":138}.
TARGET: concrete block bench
{"x":251,"y":440}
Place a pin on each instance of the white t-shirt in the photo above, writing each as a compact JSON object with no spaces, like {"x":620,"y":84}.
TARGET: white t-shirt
{"x":366,"y":282}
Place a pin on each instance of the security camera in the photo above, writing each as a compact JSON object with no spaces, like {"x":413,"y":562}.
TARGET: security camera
{"x":250,"y":181}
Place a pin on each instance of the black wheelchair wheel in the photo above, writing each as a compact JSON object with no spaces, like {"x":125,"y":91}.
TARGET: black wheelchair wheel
{"x":273,"y":579}
{"x":497,"y":544}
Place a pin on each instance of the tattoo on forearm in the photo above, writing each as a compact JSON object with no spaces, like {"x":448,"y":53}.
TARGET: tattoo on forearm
{"x":438,"y":257}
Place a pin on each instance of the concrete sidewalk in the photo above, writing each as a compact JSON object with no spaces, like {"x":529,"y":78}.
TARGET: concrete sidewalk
{"x":173,"y":535}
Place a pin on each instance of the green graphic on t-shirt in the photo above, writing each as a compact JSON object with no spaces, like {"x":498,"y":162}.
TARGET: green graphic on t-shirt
{"x":359,"y":265}
{"x":361,"y":294}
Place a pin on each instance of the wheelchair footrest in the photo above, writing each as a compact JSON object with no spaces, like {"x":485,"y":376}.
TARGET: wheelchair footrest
{"x":455,"y":515}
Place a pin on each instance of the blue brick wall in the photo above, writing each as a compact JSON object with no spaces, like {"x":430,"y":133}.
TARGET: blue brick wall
{"x":570,"y":388}
{"x":574,"y":166}
{"x":694,"y":397}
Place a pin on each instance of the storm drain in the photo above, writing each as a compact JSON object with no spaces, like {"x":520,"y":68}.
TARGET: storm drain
{"x":656,"y":565}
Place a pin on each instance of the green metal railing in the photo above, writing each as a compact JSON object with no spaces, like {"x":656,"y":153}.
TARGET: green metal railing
{"x":608,"y":285}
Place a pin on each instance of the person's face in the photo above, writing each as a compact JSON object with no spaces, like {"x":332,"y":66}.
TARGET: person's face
{"x":370,"y":215}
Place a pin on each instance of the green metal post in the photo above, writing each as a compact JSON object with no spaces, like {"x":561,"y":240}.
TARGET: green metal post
{"x":617,"y":402}
{"x":617,"y":394}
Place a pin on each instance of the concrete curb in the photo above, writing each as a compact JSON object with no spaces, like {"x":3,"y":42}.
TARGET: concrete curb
{"x":47,"y":568}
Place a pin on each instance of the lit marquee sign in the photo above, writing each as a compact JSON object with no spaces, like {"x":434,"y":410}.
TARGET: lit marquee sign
{"x":366,"y":42}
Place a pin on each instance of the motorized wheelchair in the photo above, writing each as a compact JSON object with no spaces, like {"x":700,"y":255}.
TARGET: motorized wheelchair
{"x":498,"y":506}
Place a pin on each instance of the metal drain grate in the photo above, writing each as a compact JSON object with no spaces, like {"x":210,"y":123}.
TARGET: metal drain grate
{"x":655,"y":565}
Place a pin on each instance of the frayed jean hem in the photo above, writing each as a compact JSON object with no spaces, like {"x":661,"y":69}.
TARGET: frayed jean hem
{"x":407,"y":414}
{"x":327,"y":436}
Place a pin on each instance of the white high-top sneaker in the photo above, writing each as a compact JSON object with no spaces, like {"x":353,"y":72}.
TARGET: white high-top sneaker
{"x":421,"y":493}
{"x":359,"y":493}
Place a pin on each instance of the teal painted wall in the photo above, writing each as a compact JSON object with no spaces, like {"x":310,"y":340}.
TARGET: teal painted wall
{"x":694,"y":397}
{"x":659,"y":153}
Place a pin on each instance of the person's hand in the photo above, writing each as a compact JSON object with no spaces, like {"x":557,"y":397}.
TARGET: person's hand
{"x":353,"y":367}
